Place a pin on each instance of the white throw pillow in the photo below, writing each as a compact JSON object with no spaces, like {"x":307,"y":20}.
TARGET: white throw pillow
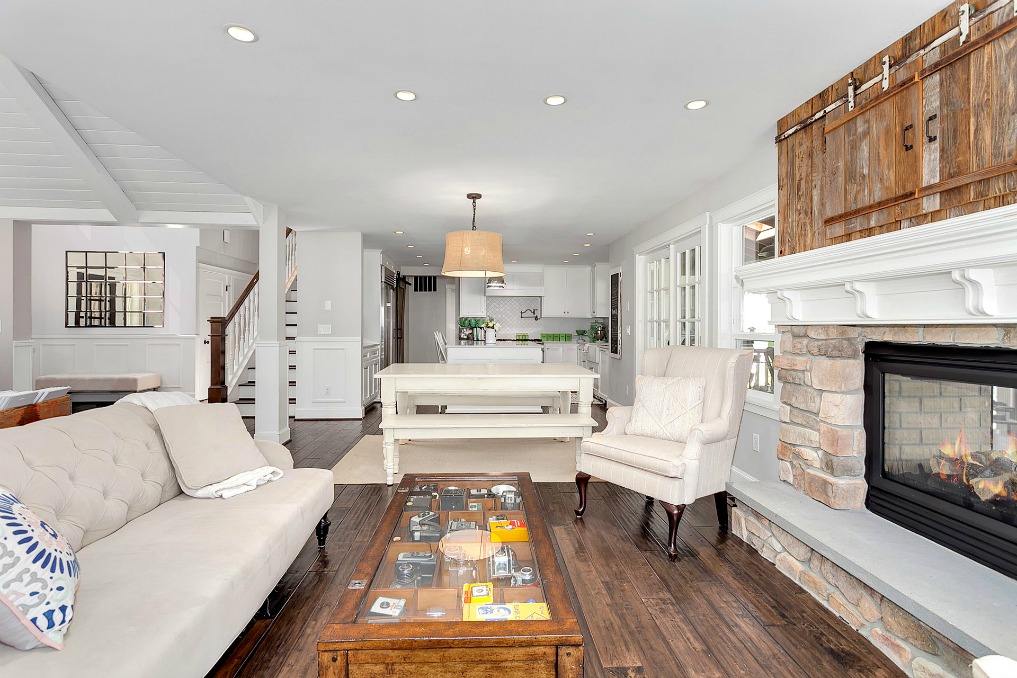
{"x":208,"y":444}
{"x":38,"y":578}
{"x":666,"y":407}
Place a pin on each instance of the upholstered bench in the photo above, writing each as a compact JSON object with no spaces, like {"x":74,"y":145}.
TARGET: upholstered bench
{"x":93,"y":390}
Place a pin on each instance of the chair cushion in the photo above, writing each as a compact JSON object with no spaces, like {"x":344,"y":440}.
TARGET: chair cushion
{"x":649,"y":454}
{"x":38,"y":579}
{"x":207,"y":443}
{"x":666,"y":407}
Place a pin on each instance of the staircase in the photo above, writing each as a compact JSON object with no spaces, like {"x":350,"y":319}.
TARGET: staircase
{"x":243,"y":394}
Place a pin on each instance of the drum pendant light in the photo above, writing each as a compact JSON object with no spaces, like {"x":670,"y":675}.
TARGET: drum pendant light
{"x":473,"y":253}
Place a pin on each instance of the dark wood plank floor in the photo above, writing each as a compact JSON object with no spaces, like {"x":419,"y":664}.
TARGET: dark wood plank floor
{"x":720,"y":610}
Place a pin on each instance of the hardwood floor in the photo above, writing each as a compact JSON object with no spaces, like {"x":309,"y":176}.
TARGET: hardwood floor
{"x":720,"y":610}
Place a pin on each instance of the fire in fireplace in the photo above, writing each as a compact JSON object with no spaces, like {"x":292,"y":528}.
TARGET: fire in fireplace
{"x":941,"y":439}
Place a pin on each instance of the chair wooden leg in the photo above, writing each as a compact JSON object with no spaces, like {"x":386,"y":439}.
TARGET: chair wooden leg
{"x":674,"y":516}
{"x":720,"y":499}
{"x":321,"y":531}
{"x":582,"y":480}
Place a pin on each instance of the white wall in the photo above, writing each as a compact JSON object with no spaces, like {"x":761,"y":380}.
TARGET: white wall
{"x":755,"y":172}
{"x":50,"y":242}
{"x":425,"y":315}
{"x":239,"y":254}
{"x":7,"y":296}
{"x":329,"y":269}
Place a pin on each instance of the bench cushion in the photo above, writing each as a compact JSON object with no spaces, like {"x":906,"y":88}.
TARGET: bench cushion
{"x":122,"y":383}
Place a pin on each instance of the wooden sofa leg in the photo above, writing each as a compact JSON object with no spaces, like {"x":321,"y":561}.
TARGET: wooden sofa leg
{"x":321,"y":531}
{"x":674,"y":516}
{"x":649,"y":499}
{"x":582,"y":480}
{"x":720,"y":499}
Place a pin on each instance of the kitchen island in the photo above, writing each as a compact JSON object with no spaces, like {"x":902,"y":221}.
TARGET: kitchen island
{"x":501,"y":352}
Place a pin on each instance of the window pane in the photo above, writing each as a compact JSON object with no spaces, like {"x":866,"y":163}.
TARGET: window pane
{"x":761,"y":376}
{"x":759,"y":240}
{"x":756,"y":314}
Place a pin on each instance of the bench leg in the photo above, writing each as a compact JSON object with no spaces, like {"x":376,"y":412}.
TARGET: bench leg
{"x":582,"y":480}
{"x":321,"y":531}
{"x":720,"y":499}
{"x":389,"y":450}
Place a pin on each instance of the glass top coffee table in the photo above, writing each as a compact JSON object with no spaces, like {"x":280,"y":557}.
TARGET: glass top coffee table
{"x":460,"y":578}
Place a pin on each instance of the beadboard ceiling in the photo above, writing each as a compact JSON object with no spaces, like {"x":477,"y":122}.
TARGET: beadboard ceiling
{"x":192,"y":121}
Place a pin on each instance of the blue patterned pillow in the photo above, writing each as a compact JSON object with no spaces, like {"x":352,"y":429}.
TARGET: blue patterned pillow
{"x":38,"y":578}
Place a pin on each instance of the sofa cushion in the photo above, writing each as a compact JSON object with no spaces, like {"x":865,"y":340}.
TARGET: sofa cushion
{"x":666,"y":407}
{"x":208,"y":443}
{"x":90,"y":473}
{"x":167,"y":594}
{"x":38,"y":578}
{"x":663,"y":457}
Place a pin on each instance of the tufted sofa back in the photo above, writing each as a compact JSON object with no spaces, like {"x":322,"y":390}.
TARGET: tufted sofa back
{"x":89,"y":474}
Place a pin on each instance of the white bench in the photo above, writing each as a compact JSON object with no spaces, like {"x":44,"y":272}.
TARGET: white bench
{"x":100,"y":389}
{"x":436,"y":426}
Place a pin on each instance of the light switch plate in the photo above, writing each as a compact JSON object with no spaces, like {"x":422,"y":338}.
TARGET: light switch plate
{"x":328,"y":305}
{"x":324,"y":329}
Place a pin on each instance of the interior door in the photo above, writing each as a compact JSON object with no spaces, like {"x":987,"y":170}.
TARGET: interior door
{"x":213,"y":300}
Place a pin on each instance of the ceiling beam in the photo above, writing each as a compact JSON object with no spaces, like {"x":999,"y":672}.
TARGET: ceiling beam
{"x":36,"y":101}
{"x":38,"y":214}
{"x":238,"y":219}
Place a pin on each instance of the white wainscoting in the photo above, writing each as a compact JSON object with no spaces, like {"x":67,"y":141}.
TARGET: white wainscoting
{"x":170,"y":355}
{"x":328,"y":378}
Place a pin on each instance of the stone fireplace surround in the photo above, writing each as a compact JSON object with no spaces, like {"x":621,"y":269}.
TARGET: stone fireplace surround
{"x":952,"y":283}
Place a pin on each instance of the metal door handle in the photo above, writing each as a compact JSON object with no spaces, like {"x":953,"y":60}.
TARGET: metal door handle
{"x":206,"y":342}
{"x":928,"y":121}
{"x":904,"y":137}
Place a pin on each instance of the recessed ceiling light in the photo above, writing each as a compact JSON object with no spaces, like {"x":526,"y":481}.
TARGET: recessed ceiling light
{"x":411,"y":245}
{"x":405,"y":95}
{"x":590,"y":234}
{"x":586,"y":244}
{"x":241,"y":34}
{"x":175,"y":226}
{"x":399,"y":232}
{"x":420,"y":256}
{"x":566,"y":262}
{"x":575,"y":254}
{"x":555,"y":100}
{"x":427,"y":264}
{"x":514,"y":261}
{"x":696,"y":104}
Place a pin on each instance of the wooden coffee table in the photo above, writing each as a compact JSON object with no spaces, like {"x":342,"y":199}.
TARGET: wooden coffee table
{"x":397,"y":620}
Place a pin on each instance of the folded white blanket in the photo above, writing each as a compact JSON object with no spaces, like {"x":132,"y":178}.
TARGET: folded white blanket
{"x":153,"y":400}
{"x":238,"y":484}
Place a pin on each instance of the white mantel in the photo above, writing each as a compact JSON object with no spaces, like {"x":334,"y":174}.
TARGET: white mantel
{"x":957,"y":271}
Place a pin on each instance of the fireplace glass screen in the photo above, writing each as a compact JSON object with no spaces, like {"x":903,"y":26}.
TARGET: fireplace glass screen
{"x":953,"y":440}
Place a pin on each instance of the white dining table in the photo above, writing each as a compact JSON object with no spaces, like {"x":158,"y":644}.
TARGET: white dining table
{"x":399,"y":420}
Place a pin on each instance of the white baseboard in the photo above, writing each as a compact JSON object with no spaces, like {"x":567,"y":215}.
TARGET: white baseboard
{"x":281,"y":436}
{"x":329,"y":413}
{"x":738,"y":474}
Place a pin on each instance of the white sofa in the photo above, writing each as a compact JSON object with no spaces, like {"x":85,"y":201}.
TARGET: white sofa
{"x":167,"y":581}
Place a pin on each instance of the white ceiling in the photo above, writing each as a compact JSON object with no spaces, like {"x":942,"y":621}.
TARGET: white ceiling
{"x":306,"y":116}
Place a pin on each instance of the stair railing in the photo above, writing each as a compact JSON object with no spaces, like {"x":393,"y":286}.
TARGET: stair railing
{"x":232,"y":337}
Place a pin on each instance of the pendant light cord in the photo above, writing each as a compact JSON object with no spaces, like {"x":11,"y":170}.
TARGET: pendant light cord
{"x":474,"y":214}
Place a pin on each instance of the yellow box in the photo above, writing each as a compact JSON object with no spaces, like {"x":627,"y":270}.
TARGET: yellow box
{"x":479,"y":593}
{"x":505,"y":612}
{"x":509,"y":530}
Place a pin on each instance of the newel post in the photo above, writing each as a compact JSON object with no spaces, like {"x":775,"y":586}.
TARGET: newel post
{"x":217,"y":391}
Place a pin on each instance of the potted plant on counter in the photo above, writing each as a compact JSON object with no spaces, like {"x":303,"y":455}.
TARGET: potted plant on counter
{"x":491,"y":328}
{"x":465,"y":329}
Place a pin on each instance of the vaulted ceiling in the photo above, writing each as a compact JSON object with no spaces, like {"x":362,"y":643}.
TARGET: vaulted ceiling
{"x":182,"y":120}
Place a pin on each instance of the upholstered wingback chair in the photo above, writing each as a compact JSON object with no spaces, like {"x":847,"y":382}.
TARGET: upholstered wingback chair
{"x":675,"y":473}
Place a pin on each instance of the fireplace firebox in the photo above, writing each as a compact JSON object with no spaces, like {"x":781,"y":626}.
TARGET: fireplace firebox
{"x":941,"y":445}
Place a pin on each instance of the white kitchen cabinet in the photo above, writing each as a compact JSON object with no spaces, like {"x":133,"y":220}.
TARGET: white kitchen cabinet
{"x":561,"y":353}
{"x":568,"y":292}
{"x":602,"y":290}
{"x":473,"y":297}
{"x":370,"y":388}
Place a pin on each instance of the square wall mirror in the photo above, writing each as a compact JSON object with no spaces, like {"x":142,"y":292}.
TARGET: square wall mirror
{"x":115,"y":289}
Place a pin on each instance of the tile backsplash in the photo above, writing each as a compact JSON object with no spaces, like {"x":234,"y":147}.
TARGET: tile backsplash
{"x":506,"y":311}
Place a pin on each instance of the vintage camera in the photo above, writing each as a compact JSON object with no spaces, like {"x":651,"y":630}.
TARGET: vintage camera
{"x":482,"y":493}
{"x":430,"y":488}
{"x":459,"y":569}
{"x":452,"y":499}
{"x":501,"y":563}
{"x":510,"y":500}
{"x":407,"y":576}
{"x":459,"y":524}
{"x":524,"y":576}
{"x":497,"y":516}
{"x":425,"y":526}
{"x":417,"y":500}
{"x":425,"y":562}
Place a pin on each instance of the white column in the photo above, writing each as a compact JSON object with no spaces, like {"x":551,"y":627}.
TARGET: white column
{"x":271,"y":419}
{"x":16,"y":356}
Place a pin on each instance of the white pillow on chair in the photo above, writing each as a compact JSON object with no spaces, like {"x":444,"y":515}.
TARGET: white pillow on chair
{"x":666,"y":407}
